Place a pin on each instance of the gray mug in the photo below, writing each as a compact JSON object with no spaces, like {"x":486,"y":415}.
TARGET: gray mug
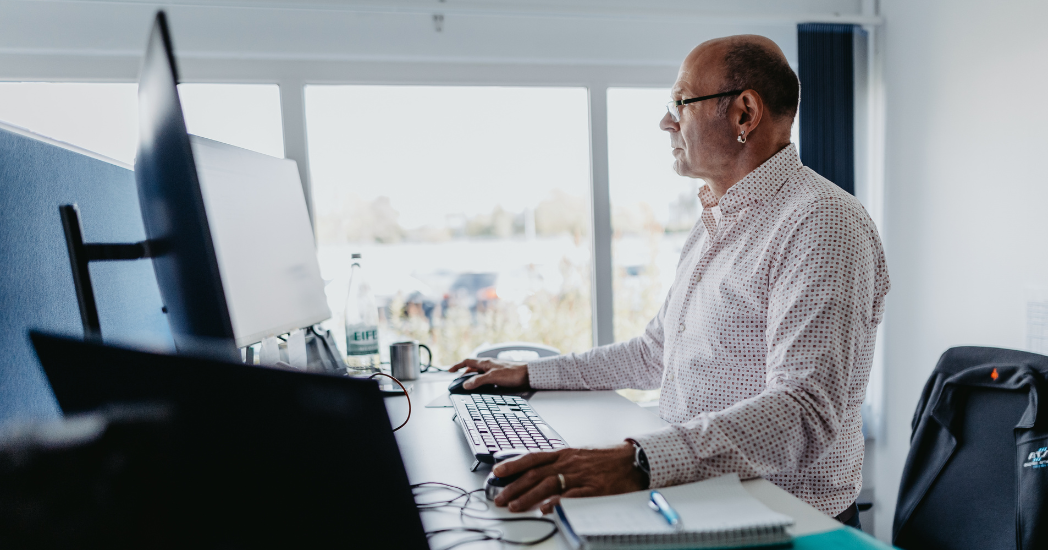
{"x":404,"y":360}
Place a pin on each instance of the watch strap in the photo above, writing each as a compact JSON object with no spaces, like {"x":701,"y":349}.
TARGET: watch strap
{"x":640,"y":460}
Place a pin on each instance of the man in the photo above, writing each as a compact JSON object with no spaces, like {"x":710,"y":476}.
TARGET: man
{"x":764,"y":344}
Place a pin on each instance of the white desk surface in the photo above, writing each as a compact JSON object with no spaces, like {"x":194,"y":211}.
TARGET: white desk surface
{"x":433,"y":449}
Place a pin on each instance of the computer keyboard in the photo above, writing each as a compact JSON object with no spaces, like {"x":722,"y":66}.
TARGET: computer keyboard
{"x":495,"y":422}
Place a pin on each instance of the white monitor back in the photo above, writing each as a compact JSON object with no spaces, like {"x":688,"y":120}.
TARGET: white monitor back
{"x":263,"y":240}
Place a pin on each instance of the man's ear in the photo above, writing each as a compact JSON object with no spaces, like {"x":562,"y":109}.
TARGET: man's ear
{"x":749,"y":111}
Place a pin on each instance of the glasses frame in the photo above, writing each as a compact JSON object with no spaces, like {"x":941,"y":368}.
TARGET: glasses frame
{"x":673,"y":106}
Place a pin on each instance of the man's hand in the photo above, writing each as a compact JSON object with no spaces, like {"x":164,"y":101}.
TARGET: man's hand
{"x":507,"y":374}
{"x":587,"y":473}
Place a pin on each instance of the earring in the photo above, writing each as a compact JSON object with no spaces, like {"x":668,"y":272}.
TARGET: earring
{"x":742,"y":137}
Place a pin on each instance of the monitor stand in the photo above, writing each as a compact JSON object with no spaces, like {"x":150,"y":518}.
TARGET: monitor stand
{"x":80,"y":254}
{"x":321,"y":353}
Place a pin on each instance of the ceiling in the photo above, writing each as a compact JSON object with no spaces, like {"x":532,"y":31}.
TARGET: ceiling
{"x":572,"y":31}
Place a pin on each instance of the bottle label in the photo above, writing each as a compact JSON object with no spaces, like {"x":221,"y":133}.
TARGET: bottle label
{"x":362,"y":340}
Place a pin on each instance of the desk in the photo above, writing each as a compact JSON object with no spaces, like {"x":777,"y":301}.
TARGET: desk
{"x":433,"y":449}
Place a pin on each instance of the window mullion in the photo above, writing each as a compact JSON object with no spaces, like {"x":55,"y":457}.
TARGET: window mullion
{"x":600,"y":216}
{"x":293,"y":118}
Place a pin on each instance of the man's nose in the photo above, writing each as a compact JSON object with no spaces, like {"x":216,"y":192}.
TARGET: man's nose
{"x":668,"y":124}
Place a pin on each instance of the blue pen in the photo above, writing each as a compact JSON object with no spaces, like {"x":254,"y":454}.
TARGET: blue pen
{"x":662,"y":506}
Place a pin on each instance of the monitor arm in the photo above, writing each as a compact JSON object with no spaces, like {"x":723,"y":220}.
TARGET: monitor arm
{"x":81,"y":253}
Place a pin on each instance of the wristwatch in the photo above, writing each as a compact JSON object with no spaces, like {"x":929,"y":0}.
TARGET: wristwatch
{"x":640,"y":461}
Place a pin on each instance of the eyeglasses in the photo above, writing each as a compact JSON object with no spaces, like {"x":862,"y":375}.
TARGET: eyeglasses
{"x":674,"y":106}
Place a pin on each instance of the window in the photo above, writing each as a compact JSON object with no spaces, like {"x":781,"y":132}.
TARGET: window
{"x":652,"y":208}
{"x":245,"y":115}
{"x":103,"y":117}
{"x":98,"y":117}
{"x":469,"y":205}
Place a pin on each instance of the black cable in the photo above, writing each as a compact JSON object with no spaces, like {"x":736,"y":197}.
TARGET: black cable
{"x":406,"y":396}
{"x":441,"y":503}
{"x":430,"y":366}
{"x":484,"y":536}
{"x":451,"y":502}
{"x":464,"y":529}
{"x":486,"y":533}
{"x":502,"y":537}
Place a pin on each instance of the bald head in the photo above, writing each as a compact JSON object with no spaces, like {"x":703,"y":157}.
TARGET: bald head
{"x":722,"y":140}
{"x":748,"y":62}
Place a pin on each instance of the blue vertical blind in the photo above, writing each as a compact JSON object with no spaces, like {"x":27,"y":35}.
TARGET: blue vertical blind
{"x":828,"y":101}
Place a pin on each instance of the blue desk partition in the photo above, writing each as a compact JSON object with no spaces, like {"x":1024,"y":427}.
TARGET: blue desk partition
{"x":36,"y":176}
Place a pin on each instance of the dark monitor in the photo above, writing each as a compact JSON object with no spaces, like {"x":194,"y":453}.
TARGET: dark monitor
{"x":259,"y":457}
{"x":173,"y":210}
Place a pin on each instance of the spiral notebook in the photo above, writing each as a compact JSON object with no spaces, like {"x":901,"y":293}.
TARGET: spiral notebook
{"x":716,"y":513}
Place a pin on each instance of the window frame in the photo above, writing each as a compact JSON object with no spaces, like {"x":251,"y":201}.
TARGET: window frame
{"x":294,"y":77}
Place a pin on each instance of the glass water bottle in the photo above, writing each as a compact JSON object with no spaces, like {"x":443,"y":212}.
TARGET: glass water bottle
{"x":362,"y":354}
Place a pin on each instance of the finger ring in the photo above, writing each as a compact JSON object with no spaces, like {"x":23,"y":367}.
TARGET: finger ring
{"x":563,"y":485}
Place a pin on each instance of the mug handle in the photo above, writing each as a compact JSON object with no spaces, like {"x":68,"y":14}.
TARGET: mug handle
{"x":429,"y":364}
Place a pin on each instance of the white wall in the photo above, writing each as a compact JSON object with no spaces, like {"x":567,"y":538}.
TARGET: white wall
{"x":966,"y":193}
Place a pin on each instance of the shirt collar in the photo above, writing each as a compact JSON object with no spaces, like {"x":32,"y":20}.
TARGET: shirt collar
{"x":759,"y":185}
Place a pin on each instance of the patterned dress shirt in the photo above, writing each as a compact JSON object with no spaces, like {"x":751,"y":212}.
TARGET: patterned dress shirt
{"x":764,"y":344}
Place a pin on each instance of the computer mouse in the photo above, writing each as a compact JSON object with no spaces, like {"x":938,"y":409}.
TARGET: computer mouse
{"x":494,"y":484}
{"x":456,"y":385}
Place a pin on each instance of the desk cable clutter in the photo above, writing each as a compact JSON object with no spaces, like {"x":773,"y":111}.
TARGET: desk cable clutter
{"x":464,"y":507}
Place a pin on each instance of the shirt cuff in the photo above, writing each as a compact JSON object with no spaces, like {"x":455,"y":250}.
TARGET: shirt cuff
{"x":544,"y":374}
{"x":669,"y":457}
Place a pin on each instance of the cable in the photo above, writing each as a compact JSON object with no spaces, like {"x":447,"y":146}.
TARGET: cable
{"x":486,"y":534}
{"x":502,"y":537}
{"x":442,"y":503}
{"x":429,"y":365}
{"x":406,"y":396}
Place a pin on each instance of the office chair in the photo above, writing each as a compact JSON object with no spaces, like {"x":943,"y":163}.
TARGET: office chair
{"x":977,"y":472}
{"x":515,"y":351}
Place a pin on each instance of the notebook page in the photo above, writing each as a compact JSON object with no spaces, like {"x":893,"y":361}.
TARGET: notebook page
{"x":720,"y":503}
{"x":716,"y":504}
{"x":618,"y":514}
